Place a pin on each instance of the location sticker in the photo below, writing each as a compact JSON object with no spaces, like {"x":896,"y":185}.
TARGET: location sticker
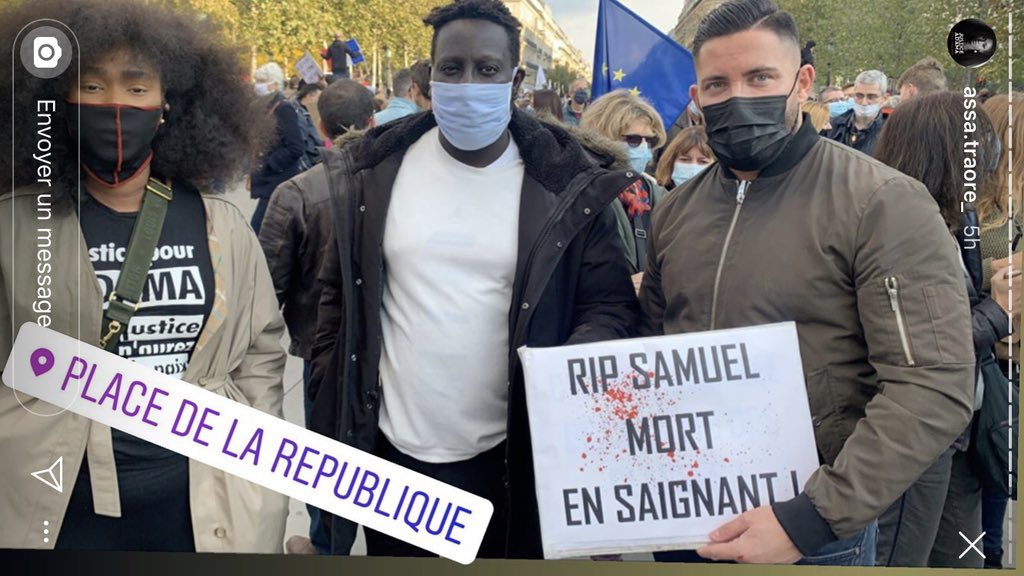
{"x":42,"y":361}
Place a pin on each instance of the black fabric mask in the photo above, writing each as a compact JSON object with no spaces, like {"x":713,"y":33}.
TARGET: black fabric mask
{"x":116,"y":139}
{"x":748,"y":134}
{"x":580,"y":97}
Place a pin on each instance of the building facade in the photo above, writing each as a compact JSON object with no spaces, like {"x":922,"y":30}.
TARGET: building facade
{"x":692,"y":13}
{"x":544,"y":43}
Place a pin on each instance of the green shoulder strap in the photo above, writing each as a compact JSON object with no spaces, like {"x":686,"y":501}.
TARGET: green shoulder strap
{"x":125,"y":298}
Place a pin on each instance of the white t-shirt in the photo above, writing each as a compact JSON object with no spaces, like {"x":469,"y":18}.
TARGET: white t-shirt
{"x":450,"y":250}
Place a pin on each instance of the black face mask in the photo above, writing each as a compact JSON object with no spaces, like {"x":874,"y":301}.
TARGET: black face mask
{"x":580,"y":97}
{"x":748,"y":134}
{"x":116,"y":139}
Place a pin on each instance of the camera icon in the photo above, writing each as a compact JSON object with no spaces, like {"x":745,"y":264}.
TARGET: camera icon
{"x":46,"y":52}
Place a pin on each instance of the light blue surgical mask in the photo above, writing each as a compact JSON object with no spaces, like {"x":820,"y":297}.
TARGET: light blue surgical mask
{"x":471,"y":116}
{"x":640,"y":156}
{"x":683,"y":171}
{"x":866,"y":110}
{"x":839,"y":108}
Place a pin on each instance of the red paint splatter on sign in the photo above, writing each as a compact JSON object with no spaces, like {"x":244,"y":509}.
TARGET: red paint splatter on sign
{"x":621,"y":400}
{"x":690,"y":473}
{"x":727,"y":460}
{"x":584,"y":455}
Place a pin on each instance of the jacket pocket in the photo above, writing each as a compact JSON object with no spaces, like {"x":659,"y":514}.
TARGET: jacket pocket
{"x":955,"y":346}
{"x":825,"y":417}
{"x":924,"y":324}
{"x":225,"y":386}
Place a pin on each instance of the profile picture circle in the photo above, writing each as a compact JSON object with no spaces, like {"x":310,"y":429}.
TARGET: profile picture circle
{"x":45,"y":52}
{"x":971,"y":43}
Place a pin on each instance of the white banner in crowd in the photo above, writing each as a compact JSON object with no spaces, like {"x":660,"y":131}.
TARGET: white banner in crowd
{"x":542,"y":79}
{"x":309,"y":69}
{"x":650,"y":444}
{"x":250,"y":444}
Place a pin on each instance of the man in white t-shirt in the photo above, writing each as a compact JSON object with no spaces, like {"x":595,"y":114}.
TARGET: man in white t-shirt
{"x":462,"y":235}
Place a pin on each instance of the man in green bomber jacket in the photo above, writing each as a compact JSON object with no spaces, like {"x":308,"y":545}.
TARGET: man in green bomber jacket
{"x":788,"y":226}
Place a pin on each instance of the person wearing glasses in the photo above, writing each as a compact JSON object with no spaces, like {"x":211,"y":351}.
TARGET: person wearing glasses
{"x":635,"y":124}
{"x":859,"y":128}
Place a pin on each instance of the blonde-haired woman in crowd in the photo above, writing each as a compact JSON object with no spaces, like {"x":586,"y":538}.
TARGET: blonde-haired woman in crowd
{"x":821,"y":118}
{"x":636,"y":127}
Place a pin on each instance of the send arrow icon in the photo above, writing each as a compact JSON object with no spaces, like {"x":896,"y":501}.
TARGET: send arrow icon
{"x":52,"y":476}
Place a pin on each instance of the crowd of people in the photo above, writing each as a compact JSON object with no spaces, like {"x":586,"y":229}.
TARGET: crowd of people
{"x":450,"y":227}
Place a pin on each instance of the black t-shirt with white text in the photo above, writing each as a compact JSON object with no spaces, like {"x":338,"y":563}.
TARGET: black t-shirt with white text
{"x":162,"y":334}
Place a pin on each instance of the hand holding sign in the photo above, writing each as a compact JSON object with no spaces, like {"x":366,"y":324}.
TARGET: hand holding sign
{"x":651,"y":444}
{"x":755,"y":537}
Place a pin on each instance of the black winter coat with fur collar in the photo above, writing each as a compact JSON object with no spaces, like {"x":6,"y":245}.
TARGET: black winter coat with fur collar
{"x":571,"y":286}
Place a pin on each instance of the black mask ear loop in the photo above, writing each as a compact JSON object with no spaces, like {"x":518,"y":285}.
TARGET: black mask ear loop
{"x":790,"y":93}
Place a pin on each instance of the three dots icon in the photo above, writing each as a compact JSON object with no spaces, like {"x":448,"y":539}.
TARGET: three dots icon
{"x":46,"y":532}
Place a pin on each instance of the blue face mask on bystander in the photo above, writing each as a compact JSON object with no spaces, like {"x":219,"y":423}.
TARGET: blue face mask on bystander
{"x":839,"y":108}
{"x":683,"y":171}
{"x":640,"y":156}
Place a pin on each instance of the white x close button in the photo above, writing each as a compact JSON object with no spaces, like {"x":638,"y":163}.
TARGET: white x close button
{"x":972,"y":545}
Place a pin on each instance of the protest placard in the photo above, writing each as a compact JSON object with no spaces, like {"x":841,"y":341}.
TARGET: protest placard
{"x":356,"y":58}
{"x":309,"y":69}
{"x":650,"y":444}
{"x":250,"y":444}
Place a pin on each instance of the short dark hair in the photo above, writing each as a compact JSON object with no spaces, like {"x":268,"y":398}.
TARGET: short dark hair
{"x":401,"y":82}
{"x":490,"y":10}
{"x":740,"y":15}
{"x":421,"y":76}
{"x":306,"y":90}
{"x":827,"y":89}
{"x":345,"y":105}
{"x":926,"y":75}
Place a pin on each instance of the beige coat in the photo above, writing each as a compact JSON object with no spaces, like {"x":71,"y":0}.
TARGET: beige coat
{"x":238,"y":355}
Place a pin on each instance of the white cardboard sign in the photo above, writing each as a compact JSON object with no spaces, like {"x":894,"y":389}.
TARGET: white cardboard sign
{"x":652,"y":443}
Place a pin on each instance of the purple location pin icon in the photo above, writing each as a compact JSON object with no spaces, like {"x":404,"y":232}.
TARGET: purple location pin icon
{"x":42,"y":361}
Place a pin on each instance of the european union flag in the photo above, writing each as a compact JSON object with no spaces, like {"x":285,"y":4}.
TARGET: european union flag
{"x":633,"y":55}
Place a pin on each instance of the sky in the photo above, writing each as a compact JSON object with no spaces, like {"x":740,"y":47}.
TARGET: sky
{"x":579,"y":18}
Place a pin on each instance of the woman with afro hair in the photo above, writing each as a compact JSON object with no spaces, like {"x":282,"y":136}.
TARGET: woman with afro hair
{"x":151,"y":112}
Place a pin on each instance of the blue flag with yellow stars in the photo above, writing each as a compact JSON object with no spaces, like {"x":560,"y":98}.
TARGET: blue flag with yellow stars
{"x":633,"y":55}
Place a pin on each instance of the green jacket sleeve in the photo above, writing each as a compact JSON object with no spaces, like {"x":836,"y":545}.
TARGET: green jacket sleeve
{"x":913,"y":307}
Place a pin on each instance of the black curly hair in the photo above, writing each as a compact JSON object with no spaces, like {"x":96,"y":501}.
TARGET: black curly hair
{"x":209,"y":131}
{"x":490,"y":10}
